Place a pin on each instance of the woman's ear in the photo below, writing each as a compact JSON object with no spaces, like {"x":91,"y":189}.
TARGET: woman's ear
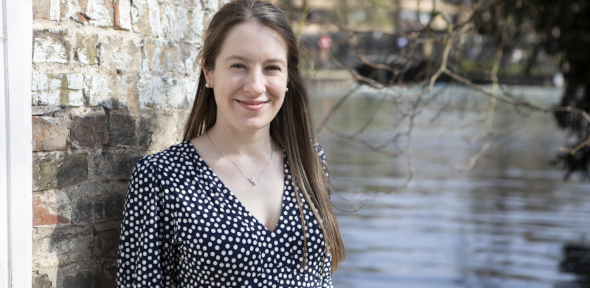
{"x":207,"y":73}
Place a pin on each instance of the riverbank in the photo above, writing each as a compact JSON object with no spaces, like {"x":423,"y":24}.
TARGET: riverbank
{"x":338,"y":79}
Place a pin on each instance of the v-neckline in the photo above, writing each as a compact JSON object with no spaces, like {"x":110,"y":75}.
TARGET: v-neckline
{"x":237,"y":200}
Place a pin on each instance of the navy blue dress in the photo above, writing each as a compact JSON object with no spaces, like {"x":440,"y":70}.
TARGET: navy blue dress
{"x":182,"y":227}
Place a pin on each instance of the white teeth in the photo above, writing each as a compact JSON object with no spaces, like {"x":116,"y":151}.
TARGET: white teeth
{"x":247,"y":103}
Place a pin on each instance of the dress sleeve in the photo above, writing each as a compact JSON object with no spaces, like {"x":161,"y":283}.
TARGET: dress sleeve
{"x":320,"y":151}
{"x":146,"y":251}
{"x":327,"y":275}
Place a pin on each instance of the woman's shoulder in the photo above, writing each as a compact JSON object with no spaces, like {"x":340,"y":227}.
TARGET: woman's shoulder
{"x":178,"y":154}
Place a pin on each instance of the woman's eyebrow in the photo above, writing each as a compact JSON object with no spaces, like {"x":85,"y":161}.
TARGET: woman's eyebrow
{"x":241,"y":58}
{"x":276,"y":60}
{"x":236,"y":57}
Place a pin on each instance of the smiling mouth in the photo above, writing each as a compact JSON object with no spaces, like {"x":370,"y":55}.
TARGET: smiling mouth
{"x":252,"y":105}
{"x":253,"y":102}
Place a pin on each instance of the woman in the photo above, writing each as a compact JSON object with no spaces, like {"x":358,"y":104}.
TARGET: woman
{"x":229,"y":215}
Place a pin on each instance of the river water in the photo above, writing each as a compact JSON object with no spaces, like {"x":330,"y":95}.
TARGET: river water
{"x":504,"y":223}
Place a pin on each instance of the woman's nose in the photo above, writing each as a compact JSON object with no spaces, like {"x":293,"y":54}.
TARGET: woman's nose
{"x":254,"y":83}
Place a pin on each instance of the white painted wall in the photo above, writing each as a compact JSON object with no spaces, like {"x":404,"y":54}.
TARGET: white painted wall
{"x":4,"y":268}
{"x":16,"y":156}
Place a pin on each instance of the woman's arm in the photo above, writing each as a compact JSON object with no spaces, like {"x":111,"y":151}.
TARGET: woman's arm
{"x":146,"y":252}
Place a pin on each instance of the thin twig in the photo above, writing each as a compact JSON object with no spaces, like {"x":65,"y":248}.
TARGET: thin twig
{"x":445,"y":55}
{"x":473,"y":158}
{"x":353,"y":73}
{"x":494,"y":76}
{"x":577,"y":148}
{"x":337,"y":105}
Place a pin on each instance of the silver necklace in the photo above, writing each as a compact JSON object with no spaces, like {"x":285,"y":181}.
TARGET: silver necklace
{"x":253,"y":180}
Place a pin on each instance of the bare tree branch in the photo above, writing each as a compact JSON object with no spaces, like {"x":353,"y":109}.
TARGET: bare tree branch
{"x":336,"y":106}
{"x":410,"y":99}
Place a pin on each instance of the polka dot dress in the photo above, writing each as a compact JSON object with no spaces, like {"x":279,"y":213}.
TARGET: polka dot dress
{"x":182,"y":227}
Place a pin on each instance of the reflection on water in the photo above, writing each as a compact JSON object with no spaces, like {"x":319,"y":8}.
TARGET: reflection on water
{"x":506,"y":223}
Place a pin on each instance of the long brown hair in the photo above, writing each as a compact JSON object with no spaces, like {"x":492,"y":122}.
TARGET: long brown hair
{"x":292,"y":128}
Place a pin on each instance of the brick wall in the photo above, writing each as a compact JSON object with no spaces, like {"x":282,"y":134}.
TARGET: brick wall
{"x":113,"y":80}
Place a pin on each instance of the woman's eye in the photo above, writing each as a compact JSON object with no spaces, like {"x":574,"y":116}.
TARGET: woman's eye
{"x":276,"y":68}
{"x":240,"y":66}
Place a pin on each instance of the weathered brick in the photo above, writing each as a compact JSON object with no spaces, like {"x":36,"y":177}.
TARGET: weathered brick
{"x":119,"y":54}
{"x":69,"y":8}
{"x":186,"y":3}
{"x":82,"y":278}
{"x":198,"y":19}
{"x":86,"y":51}
{"x":75,"y":81}
{"x":89,"y":132}
{"x":179,"y":92}
{"x":155,"y":17}
{"x":41,"y":281}
{"x":50,"y":46}
{"x":146,"y":17}
{"x":160,"y":57}
{"x":181,"y":120}
{"x":72,"y":169}
{"x":40,"y":82}
{"x":114,"y":202}
{"x":57,"y":89}
{"x":98,"y":205}
{"x":44,"y":110}
{"x":42,"y":10}
{"x":106,"y":276}
{"x":121,"y":130}
{"x":176,"y":23}
{"x":114,"y":165}
{"x":109,"y":206}
{"x":57,"y":9}
{"x":213,"y":5}
{"x":188,"y":56}
{"x":82,"y":208}
{"x":138,"y":9}
{"x":67,"y":268}
{"x":83,"y":4}
{"x":106,"y":243}
{"x":59,"y":170}
{"x":99,"y":90}
{"x":41,"y":249}
{"x":71,"y":243}
{"x":111,"y":91}
{"x":80,"y":196}
{"x":81,"y":18}
{"x":51,"y":209}
{"x":50,"y":133}
{"x":122,"y":10}
{"x":100,"y":12}
{"x":127,"y":94}
{"x":157,"y":132}
{"x":150,"y":91}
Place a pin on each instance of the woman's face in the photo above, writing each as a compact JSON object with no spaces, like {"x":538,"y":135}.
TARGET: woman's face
{"x":249,"y":78}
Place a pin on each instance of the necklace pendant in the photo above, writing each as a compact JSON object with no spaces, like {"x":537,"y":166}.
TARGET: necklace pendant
{"x":253,"y":181}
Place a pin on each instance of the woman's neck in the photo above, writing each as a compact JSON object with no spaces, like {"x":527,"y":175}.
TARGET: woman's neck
{"x":239,"y":142}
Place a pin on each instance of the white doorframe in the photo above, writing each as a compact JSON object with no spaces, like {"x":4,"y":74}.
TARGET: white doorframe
{"x":16,"y":136}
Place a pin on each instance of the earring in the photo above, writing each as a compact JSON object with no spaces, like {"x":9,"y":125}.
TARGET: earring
{"x":287,"y":90}
{"x":207,"y":85}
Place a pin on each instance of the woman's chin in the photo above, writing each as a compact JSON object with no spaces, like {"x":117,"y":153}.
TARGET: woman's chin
{"x":255,"y":126}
